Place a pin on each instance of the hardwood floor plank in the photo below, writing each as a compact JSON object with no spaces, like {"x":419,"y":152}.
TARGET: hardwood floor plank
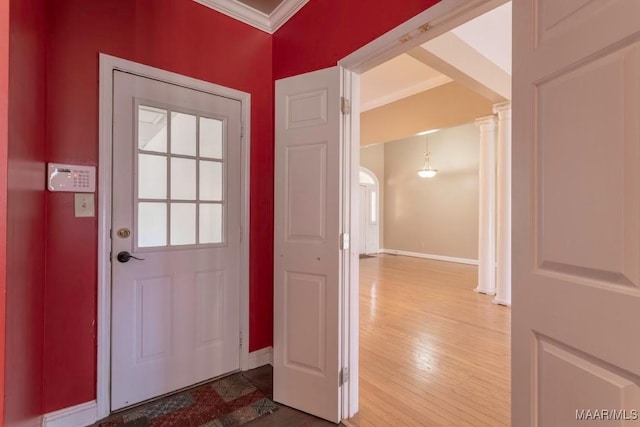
{"x":432,"y":351}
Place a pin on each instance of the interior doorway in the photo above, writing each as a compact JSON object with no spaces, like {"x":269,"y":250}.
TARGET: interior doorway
{"x":369,"y":212}
{"x":357,"y":64}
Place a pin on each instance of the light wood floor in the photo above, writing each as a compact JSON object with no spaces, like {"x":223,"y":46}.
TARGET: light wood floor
{"x":432,"y":351}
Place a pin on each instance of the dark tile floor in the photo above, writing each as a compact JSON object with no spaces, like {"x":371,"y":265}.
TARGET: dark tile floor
{"x":262,"y":379}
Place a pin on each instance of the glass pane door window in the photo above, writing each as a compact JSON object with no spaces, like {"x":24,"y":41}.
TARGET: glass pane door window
{"x":180,"y":174}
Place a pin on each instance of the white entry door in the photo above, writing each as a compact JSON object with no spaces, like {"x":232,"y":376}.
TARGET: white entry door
{"x":307,"y":251}
{"x":576,"y":216}
{"x":176,"y":211}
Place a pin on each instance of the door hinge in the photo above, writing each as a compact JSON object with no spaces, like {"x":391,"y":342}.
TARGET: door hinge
{"x":240,"y":339}
{"x":241,"y":130}
{"x":345,"y":105}
{"x":344,"y":241}
{"x":344,"y":376}
{"x":424,"y":28}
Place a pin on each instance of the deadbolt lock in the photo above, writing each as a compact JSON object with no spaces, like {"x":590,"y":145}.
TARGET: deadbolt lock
{"x":123,"y":233}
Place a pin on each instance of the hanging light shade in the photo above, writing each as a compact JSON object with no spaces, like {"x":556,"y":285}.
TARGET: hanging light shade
{"x":427,"y":171}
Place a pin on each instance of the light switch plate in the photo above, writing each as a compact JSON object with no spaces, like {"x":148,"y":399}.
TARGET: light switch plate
{"x":84,"y":204}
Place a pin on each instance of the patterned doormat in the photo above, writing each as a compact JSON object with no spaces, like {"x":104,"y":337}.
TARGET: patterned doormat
{"x":230,"y":401}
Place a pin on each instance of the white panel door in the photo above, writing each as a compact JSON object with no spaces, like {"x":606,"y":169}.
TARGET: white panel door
{"x":576,"y":213}
{"x":364,"y":214}
{"x":307,"y":228}
{"x":176,"y":209}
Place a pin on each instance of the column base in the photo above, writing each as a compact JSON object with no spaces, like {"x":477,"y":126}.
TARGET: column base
{"x":498,"y":301}
{"x":484,"y":291}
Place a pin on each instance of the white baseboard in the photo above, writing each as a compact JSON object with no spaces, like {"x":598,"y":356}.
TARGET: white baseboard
{"x":261,"y":357}
{"x":76,"y":416}
{"x":430,"y":256}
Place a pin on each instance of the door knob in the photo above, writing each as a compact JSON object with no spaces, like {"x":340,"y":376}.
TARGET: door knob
{"x":125,"y":256}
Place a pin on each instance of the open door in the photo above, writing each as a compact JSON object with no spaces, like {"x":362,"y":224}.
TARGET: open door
{"x":576,"y":216}
{"x":307,"y":243}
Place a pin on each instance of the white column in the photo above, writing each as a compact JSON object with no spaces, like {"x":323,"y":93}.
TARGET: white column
{"x":503,"y":294}
{"x":487,"y":208}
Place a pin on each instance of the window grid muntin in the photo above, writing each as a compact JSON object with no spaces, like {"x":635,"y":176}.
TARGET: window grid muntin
{"x":169,"y":201}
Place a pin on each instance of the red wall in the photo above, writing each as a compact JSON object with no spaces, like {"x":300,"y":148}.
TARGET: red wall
{"x":177,"y":35}
{"x":4,"y":143}
{"x":325,"y":31}
{"x":25,"y":214}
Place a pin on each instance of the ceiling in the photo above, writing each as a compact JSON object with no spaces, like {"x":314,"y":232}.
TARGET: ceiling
{"x":266,"y":15}
{"x":490,"y":34}
{"x":398,"y":78}
{"x":476,"y":54}
{"x":265,"y":6}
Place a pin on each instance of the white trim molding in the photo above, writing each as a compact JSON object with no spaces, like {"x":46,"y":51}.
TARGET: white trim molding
{"x":109,"y":64}
{"x":405,"y":92}
{"x":75,"y":416}
{"x":261,"y":357}
{"x":430,"y":256}
{"x":250,"y":16}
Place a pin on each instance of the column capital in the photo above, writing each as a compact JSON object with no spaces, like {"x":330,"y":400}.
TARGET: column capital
{"x":487,"y":123}
{"x":503,"y":109}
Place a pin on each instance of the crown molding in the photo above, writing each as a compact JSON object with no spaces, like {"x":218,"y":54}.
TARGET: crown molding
{"x":250,"y":16}
{"x":405,"y":92}
{"x":284,"y":12}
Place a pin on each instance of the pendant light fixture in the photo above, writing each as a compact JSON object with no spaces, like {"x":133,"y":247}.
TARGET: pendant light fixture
{"x":427,"y":171}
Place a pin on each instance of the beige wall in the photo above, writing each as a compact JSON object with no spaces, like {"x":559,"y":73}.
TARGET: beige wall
{"x":372,"y":158}
{"x":437,"y":216}
{"x":439,"y":108}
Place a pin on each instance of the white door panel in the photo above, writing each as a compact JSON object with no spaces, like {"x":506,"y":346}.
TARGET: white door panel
{"x":307,"y":228}
{"x":176,"y":189}
{"x":576,"y":217}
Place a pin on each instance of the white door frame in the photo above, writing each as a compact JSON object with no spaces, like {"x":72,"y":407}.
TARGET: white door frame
{"x":108,"y":64}
{"x":437,"y":20}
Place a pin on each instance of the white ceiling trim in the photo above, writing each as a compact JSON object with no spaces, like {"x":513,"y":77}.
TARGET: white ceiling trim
{"x":405,"y":92}
{"x":255,"y":18}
